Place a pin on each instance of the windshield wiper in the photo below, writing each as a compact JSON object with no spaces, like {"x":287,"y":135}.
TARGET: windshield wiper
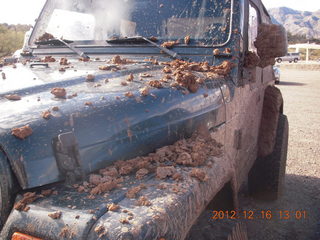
{"x":140,"y":39}
{"x":60,"y":42}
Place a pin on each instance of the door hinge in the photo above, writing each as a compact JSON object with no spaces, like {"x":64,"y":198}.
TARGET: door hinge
{"x":68,"y":157}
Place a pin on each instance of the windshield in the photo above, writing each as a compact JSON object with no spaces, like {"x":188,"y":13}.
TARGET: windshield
{"x":206,"y":22}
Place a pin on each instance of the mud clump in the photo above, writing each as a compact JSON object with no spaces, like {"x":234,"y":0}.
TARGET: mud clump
{"x":130,"y":77}
{"x":45,"y":37}
{"x":251,"y":60}
{"x":100,"y":230}
{"x":22,"y":132}
{"x":90,"y":78}
{"x":64,"y":61}
{"x":144,"y":91}
{"x":13,"y":97}
{"x":46,"y":115}
{"x":48,"y":59}
{"x":199,"y":174}
{"x":155,"y":84}
{"x":67,"y":233}
{"x":141,"y":173}
{"x":187,"y":80}
{"x":113,"y":207}
{"x":27,"y":198}
{"x":143,"y":201}
{"x":59,"y":92}
{"x":169,"y":44}
{"x":104,"y":187}
{"x":187,"y":40}
{"x":164,"y":172}
{"x":129,"y":94}
{"x":55,"y":215}
{"x":216,"y":52}
{"x":118,"y":60}
{"x":132,"y":193}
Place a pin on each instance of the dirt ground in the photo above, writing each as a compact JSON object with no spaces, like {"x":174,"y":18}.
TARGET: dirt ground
{"x":301,"y":92}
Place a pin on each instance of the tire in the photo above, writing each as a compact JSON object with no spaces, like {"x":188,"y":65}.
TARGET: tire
{"x":279,"y":60}
{"x":6,"y":189}
{"x":277,"y":81}
{"x":266,"y":178}
{"x":221,"y":229}
{"x":295,"y":60}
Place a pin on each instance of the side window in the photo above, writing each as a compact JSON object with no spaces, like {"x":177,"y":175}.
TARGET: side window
{"x":253,"y":27}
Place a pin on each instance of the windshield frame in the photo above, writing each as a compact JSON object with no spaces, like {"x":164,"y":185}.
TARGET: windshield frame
{"x":31,"y":41}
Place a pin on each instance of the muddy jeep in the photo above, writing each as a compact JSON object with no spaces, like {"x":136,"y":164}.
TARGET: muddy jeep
{"x":126,"y":119}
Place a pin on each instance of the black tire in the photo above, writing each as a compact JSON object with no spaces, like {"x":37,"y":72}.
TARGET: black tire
{"x":279,"y":60}
{"x":221,"y":229}
{"x":296,"y":60}
{"x":266,"y":178}
{"x":277,"y":81}
{"x":6,"y":189}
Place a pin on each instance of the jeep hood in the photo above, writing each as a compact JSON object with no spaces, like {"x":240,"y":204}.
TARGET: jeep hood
{"x":96,"y":123}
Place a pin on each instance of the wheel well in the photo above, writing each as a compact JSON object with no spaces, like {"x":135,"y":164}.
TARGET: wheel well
{"x":223,"y":200}
{"x":17,"y":186}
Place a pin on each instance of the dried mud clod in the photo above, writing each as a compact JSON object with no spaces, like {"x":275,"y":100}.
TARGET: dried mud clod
{"x":48,"y":59}
{"x":199,"y":174}
{"x":88,"y":104}
{"x":22,"y":132}
{"x":141,"y":173}
{"x":59,"y":92}
{"x":55,"y":109}
{"x":130,"y":77}
{"x":118,"y":60}
{"x":45,"y":37}
{"x":55,"y":215}
{"x":145,"y":75}
{"x":132,"y":193}
{"x":113,"y":207}
{"x":124,"y":221}
{"x":251,"y":60}
{"x":27,"y":198}
{"x":187,"y":40}
{"x":155,"y":84}
{"x":100,"y":230}
{"x":216,"y":52}
{"x":13,"y":97}
{"x":164,"y":172}
{"x":67,"y":233}
{"x":143,"y":201}
{"x":170,"y":44}
{"x":64,"y":61}
{"x":90,"y":78}
{"x":129,"y":94}
{"x":46,"y":115}
{"x":144,"y":91}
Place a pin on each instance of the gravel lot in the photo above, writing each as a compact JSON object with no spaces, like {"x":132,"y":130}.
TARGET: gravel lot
{"x":301,"y":92}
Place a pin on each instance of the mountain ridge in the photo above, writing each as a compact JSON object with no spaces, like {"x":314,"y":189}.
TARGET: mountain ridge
{"x":297,"y":22}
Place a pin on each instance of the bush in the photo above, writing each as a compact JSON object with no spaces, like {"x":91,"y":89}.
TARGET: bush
{"x":11,"y":38}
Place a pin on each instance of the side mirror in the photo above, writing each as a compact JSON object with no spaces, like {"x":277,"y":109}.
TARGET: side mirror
{"x":271,"y":42}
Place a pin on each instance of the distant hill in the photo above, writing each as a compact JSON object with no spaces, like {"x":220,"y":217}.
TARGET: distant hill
{"x":297,"y":22}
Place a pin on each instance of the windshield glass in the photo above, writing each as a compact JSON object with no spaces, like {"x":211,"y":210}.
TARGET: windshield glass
{"x":206,"y":22}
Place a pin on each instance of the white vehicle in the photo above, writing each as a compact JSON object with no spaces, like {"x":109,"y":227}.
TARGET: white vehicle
{"x":291,"y":57}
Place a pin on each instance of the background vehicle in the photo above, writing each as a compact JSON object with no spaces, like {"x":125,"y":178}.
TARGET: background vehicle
{"x":276,"y":71}
{"x":137,"y":146}
{"x":290,"y":57}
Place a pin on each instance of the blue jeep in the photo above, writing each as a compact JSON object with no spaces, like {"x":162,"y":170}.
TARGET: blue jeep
{"x":125,"y":119}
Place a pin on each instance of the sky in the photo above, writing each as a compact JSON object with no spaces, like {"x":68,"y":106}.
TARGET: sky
{"x":26,"y":11}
